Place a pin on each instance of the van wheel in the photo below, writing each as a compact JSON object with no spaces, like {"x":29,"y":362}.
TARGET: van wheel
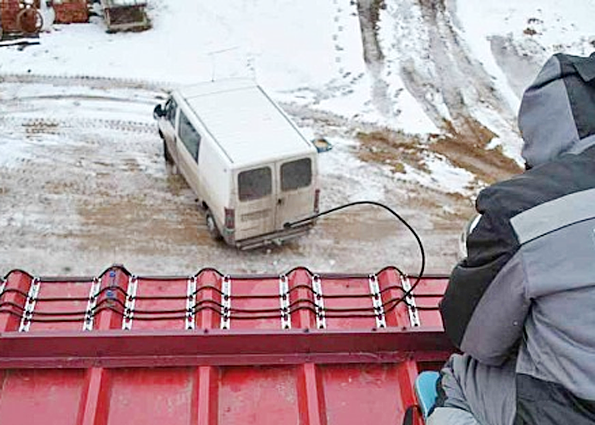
{"x":212,"y":226}
{"x":166,"y":153}
{"x":169,"y":160}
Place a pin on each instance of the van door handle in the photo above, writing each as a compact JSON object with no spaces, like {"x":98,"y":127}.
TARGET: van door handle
{"x":279,"y":201}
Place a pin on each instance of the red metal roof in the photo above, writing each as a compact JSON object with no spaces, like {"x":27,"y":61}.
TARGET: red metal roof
{"x":299,"y":348}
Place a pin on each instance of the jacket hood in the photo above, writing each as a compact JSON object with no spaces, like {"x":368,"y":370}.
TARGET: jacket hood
{"x":557,"y":113}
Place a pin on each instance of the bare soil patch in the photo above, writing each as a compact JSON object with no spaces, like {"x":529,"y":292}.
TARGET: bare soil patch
{"x":390,"y":148}
{"x":467,"y":149}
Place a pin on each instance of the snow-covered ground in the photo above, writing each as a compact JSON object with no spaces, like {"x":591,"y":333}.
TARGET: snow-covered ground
{"x":448,"y":62}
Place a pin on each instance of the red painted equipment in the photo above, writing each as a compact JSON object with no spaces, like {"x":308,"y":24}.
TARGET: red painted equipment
{"x":212,"y":349}
{"x":71,"y":11}
{"x":20,"y":16}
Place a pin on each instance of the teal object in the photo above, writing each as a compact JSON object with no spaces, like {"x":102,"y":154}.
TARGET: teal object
{"x":425,"y":391}
{"x":322,"y":145}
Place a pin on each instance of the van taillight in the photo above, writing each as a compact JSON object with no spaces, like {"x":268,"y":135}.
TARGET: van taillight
{"x":316,"y":200}
{"x":230,"y":218}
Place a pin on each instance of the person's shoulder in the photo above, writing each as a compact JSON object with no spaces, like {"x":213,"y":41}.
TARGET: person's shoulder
{"x":554,"y":179}
{"x":507,"y":197}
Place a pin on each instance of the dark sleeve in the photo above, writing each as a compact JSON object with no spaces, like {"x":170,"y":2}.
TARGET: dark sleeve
{"x":485,"y":290}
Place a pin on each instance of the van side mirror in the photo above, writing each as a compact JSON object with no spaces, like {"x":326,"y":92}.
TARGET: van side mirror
{"x":322,"y":145}
{"x":158,"y":112}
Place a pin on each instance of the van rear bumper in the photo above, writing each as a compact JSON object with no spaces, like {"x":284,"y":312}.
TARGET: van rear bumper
{"x":273,"y":237}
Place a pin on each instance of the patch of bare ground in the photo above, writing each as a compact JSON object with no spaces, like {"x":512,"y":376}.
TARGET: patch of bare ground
{"x":464,"y":148}
{"x":391,"y":148}
{"x":136,"y":214}
{"x":467,"y":148}
{"x":395,"y":149}
{"x":445,"y":211}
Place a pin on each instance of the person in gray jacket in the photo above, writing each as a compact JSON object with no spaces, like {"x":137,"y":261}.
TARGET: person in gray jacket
{"x":521,"y":306}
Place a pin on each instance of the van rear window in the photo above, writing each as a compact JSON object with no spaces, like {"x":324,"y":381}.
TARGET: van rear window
{"x":296,"y":174}
{"x":254,"y":184}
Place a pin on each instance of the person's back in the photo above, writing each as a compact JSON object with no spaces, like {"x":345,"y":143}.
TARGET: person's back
{"x":555,"y":265}
{"x":524,"y":295}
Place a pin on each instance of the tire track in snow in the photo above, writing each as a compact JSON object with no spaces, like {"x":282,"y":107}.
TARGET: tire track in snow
{"x":59,"y":126}
{"x":89,"y":81}
{"x":439,"y":70}
{"x":77,"y":97}
{"x":373,"y":55}
{"x":42,"y":103}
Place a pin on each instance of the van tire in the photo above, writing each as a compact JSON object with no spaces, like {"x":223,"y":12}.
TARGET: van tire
{"x":166,"y":153}
{"x":169,"y":160}
{"x":212,"y":226}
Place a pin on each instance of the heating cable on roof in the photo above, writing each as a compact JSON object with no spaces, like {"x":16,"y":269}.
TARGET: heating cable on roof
{"x":109,"y":295}
{"x":394,"y":214}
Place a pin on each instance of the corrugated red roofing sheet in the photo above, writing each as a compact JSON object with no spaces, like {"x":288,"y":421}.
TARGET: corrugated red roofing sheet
{"x":298,"y":348}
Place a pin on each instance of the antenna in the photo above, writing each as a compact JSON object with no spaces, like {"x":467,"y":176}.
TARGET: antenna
{"x":248,"y":65}
{"x":213,"y":58}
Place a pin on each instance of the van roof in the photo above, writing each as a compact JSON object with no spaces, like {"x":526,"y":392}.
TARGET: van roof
{"x":244,"y":121}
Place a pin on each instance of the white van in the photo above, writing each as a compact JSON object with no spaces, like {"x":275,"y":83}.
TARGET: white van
{"x":250,"y":167}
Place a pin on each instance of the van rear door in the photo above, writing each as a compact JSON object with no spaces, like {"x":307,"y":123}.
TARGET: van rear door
{"x":255,"y":212}
{"x":295,"y":190}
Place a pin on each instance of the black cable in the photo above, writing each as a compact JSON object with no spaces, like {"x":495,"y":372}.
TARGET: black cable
{"x":106,"y":304}
{"x":393,"y":213}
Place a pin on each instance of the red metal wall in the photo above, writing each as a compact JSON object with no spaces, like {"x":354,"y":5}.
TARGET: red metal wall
{"x":181,"y":362}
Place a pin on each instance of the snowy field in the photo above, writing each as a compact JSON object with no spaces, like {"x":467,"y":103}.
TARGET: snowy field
{"x":82,"y":179}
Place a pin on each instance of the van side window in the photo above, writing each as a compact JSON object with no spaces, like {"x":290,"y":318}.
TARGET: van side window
{"x":254,"y":184}
{"x":170,"y":111}
{"x":296,"y":174}
{"x":189,"y":136}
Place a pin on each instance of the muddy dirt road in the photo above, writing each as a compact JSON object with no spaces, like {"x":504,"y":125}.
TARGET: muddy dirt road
{"x":83,"y":185}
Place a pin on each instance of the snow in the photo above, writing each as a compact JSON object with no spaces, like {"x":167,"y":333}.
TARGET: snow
{"x":537,"y":29}
{"x":567,"y":29}
{"x":443,"y":176}
{"x":412,"y":118}
{"x":363,"y":183}
{"x":307,"y":52}
{"x":13,"y":151}
{"x":283,"y":43}
{"x":406,"y":112}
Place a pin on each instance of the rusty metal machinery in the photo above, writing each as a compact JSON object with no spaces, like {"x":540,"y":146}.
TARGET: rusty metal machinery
{"x":29,"y":19}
